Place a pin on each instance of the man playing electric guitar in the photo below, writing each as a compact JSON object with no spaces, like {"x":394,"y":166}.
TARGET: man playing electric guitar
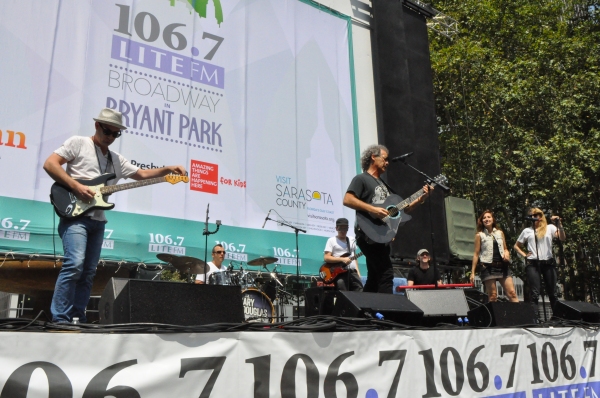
{"x":339,"y":255}
{"x":367,"y":190}
{"x":87,"y":158}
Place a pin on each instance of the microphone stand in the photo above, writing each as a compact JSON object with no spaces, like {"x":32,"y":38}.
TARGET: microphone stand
{"x":296,"y":230}
{"x":430,"y":181}
{"x":206,"y":232}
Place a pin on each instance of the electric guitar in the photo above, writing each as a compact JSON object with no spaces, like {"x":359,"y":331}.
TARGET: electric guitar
{"x":67,"y":205}
{"x":329,"y":271}
{"x":384,"y":230}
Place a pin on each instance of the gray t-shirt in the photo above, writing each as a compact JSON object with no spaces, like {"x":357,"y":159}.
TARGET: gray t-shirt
{"x":86,"y":161}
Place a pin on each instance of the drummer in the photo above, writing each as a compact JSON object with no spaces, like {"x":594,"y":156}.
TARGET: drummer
{"x":216,"y":265}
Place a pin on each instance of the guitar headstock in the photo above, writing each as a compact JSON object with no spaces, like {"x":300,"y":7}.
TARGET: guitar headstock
{"x":175,"y":178}
{"x":441,"y":179}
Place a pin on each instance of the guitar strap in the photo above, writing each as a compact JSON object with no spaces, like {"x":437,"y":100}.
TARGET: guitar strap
{"x":109,"y":161}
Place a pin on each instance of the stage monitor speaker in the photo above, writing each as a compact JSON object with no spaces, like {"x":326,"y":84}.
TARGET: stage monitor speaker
{"x":503,"y":314}
{"x":365,"y":305}
{"x":460,"y":219}
{"x":317,"y":302}
{"x":577,"y":311}
{"x":442,"y":305}
{"x":476,"y":296}
{"x":134,"y":301}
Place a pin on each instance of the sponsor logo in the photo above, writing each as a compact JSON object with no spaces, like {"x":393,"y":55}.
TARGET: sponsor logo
{"x":204,"y":177}
{"x":7,"y":138}
{"x":145,"y":166}
{"x":288,"y":195}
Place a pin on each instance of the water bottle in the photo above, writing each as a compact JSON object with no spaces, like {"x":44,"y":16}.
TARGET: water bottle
{"x":75,"y":321}
{"x":466,"y":321}
{"x":379,"y":316}
{"x":460,"y":321}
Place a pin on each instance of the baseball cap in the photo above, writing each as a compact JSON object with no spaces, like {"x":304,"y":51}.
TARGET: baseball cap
{"x":422,"y":251}
{"x":341,"y":221}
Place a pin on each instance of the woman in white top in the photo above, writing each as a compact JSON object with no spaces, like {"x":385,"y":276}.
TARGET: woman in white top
{"x":544,"y":266}
{"x":493,"y":255}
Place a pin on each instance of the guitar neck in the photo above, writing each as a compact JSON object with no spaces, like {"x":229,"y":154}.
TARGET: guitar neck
{"x":109,"y":189}
{"x":409,"y":200}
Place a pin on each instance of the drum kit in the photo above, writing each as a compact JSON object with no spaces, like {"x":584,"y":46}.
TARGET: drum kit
{"x":260,"y":289}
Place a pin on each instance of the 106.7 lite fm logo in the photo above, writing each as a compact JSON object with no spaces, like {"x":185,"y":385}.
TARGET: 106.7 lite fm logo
{"x":178,"y":75}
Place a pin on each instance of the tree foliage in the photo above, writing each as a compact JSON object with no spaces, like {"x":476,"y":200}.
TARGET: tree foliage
{"x":518,"y":106}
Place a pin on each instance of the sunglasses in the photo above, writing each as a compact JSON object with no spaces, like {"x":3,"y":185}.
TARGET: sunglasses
{"x":106,"y":131}
{"x":219,"y":252}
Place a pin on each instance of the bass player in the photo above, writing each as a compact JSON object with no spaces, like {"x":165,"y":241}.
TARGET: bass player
{"x":340,"y":257}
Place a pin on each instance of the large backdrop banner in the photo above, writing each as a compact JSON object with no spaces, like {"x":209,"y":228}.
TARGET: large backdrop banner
{"x":483,"y":363}
{"x":254,"y":98}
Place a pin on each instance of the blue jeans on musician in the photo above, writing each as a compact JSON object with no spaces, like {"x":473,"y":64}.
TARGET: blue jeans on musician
{"x":82,"y":242}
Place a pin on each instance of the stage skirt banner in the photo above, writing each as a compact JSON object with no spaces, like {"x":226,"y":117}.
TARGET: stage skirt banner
{"x":254,"y":98}
{"x":534,"y":363}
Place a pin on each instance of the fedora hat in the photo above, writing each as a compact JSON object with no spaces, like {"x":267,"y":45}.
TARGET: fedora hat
{"x":111,"y":117}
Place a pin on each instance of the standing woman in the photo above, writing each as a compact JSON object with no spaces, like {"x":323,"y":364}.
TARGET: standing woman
{"x":545,"y":266}
{"x":492,"y":253}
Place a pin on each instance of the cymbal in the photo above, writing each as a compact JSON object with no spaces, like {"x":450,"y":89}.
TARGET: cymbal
{"x":166,"y":257}
{"x":185,"y":264}
{"x":262,"y":261}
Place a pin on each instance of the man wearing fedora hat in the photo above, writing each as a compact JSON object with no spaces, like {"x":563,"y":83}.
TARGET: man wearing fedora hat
{"x":87,"y":158}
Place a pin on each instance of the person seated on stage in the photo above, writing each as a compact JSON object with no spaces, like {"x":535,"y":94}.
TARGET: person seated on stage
{"x":338,"y":251}
{"x":423,"y":273}
{"x":216,"y":265}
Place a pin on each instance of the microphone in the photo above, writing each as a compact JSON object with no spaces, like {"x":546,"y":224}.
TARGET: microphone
{"x":402,"y":157}
{"x":266,"y":218}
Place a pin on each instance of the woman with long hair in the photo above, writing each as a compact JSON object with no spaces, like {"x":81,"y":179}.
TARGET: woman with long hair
{"x":540,"y":243}
{"x":493,"y":255}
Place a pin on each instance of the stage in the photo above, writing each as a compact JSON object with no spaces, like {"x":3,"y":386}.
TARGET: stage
{"x":308,"y":357}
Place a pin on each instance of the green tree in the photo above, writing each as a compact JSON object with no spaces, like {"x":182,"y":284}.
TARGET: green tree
{"x":518,"y":107}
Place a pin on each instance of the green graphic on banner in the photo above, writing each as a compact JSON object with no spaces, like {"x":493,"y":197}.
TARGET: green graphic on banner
{"x":200,"y":7}
{"x":29,"y":227}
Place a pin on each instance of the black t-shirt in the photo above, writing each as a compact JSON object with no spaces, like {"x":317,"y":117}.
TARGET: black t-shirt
{"x":423,"y":277}
{"x":369,"y":189}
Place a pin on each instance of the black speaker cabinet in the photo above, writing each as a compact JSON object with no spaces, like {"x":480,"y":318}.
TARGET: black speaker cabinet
{"x":503,"y":314}
{"x":442,"y":305}
{"x":135,"y":300}
{"x":577,"y":311}
{"x":317,"y":302}
{"x":365,"y":305}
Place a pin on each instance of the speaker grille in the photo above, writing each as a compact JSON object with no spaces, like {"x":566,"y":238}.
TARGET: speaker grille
{"x":440,"y":302}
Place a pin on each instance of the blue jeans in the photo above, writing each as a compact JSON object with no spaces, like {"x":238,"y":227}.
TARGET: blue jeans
{"x":82,"y":242}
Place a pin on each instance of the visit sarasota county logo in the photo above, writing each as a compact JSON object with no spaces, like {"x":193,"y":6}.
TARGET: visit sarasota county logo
{"x":289,"y":195}
{"x":200,"y":7}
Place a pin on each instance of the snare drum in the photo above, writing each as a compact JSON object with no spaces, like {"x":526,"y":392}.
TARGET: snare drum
{"x":219,"y":278}
{"x":257,"y":306}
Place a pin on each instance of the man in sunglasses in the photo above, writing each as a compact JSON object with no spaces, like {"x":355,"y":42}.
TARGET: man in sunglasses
{"x":87,"y":158}
{"x":216,"y":265}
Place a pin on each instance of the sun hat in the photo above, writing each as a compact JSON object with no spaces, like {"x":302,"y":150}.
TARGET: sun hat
{"x":111,"y":117}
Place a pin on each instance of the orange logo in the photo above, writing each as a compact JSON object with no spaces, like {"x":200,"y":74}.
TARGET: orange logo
{"x":10,"y":139}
